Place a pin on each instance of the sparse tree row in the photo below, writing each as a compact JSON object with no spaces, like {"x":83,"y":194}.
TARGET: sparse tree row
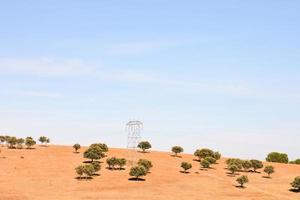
{"x":13,"y":142}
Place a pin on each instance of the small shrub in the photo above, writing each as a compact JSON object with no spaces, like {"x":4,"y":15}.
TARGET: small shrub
{"x":96,"y":166}
{"x":112,"y":162}
{"x":121,"y":162}
{"x":144,"y":145}
{"x":138,"y":171}
{"x":186,"y":166}
{"x":80,"y":170}
{"x":269,"y":170}
{"x":177,"y":150}
{"x":277,"y":157}
{"x":89,"y":170}
{"x":242,"y":180}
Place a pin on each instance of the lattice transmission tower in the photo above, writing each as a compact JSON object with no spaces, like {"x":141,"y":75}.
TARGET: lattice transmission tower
{"x":134,"y":136}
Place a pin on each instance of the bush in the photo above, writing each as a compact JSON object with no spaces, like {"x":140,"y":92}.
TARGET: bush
{"x":76,"y":147}
{"x":203,"y":153}
{"x":242,"y":180}
{"x":269,"y":170}
{"x":94,"y":153}
{"x":42,"y":139}
{"x":147,"y":164}
{"x":277,"y":157}
{"x":256,"y":164}
{"x":296,"y":183}
{"x":112,"y":162}
{"x":29,"y":142}
{"x":186,"y":166}
{"x":205,"y":163}
{"x":177,"y":150}
{"x":246,"y":165}
{"x":96,"y":166}
{"x":138,"y":171}
{"x":89,"y":170}
{"x":144,"y":145}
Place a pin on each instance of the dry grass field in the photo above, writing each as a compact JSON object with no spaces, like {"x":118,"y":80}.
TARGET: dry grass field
{"x":47,"y":173}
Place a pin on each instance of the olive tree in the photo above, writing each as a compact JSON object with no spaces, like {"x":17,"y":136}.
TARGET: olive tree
{"x":96,"y":166}
{"x":269,"y":170}
{"x":277,"y":157}
{"x":246,"y":165}
{"x":93,"y":153}
{"x":242,"y":180}
{"x":147,"y":164}
{"x":20,"y":142}
{"x":235,"y":161}
{"x":42,"y":139}
{"x":144,"y":145}
{"x":233,"y":168}
{"x":137,"y":172}
{"x":11,"y":141}
{"x":121,"y":162}
{"x":76,"y":147}
{"x":256,"y":164}
{"x":296,"y":183}
{"x":186,"y":166}
{"x":80,"y":170}
{"x":177,"y":150}
{"x":205,"y":163}
{"x":203,"y":153}
{"x":29,"y":142}
{"x":89,"y":170}
{"x":211,"y":160}
{"x":112,"y":162}
{"x":102,"y":146}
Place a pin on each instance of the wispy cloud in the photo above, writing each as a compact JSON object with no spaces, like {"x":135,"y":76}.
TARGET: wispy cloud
{"x":46,"y":67}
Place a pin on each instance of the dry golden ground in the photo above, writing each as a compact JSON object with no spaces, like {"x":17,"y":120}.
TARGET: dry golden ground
{"x":47,"y":173}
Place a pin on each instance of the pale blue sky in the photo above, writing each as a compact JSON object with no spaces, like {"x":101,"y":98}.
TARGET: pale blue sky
{"x":217,"y":74}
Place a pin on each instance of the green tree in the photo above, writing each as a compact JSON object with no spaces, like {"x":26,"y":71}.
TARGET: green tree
{"x":76,"y":147}
{"x":296,"y":183}
{"x":144,"y":145}
{"x":296,"y":162}
{"x":102,"y":146}
{"x":233,"y":168}
{"x":246,"y":165}
{"x":138,"y":171}
{"x":205,"y":163}
{"x":147,"y":164}
{"x":217,"y":155}
{"x":235,"y":161}
{"x":177,"y":150}
{"x":47,"y":141}
{"x":42,"y":139}
{"x":121,"y":162}
{"x":186,"y":166}
{"x":2,"y":139}
{"x":80,"y":170}
{"x":29,"y":142}
{"x":242,"y":180}
{"x":94,"y":153}
{"x":269,"y":170}
{"x":11,"y":141}
{"x":96,"y":166}
{"x":256,"y":164}
{"x":112,"y":162}
{"x":89,"y":170}
{"x":277,"y":157}
{"x":211,"y":160}
{"x":203,"y":153}
{"x":20,"y":142}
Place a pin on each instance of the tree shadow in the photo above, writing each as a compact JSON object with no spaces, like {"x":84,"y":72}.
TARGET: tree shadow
{"x":143,"y":151}
{"x":96,"y":174}
{"x":76,"y":152}
{"x":238,"y":186}
{"x":203,"y":169}
{"x":197,"y":160}
{"x":184,"y":172}
{"x":136,"y":179}
{"x":294,"y":190}
{"x":83,"y":178}
{"x":176,"y":156}
{"x":30,"y":148}
{"x":267,"y":177}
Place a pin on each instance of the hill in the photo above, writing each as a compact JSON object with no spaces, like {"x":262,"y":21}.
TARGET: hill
{"x":47,"y":173}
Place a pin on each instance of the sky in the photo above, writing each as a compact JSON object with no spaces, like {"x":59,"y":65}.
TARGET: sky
{"x":218,"y":74}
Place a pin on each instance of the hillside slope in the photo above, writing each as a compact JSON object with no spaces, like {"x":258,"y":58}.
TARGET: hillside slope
{"x":47,"y":173}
